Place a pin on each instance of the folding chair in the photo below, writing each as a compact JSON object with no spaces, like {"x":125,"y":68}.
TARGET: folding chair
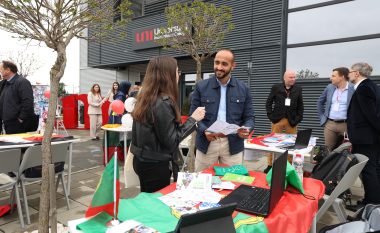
{"x":59,"y":125}
{"x":345,"y":183}
{"x":342,"y":147}
{"x":10,"y":162}
{"x":33,"y":158}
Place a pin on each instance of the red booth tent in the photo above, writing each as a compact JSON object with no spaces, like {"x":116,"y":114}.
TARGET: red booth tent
{"x":70,"y":111}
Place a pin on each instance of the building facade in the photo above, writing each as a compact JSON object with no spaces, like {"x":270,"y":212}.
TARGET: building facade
{"x":268,"y":37}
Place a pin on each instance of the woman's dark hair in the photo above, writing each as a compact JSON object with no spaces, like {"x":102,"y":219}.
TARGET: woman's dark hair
{"x":160,"y":80}
{"x":93,"y":90}
{"x":113,"y":89}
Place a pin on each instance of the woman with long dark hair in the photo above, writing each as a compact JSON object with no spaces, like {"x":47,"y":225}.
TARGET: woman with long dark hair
{"x":156,"y":131}
{"x":121,"y":95}
{"x":113,"y":91}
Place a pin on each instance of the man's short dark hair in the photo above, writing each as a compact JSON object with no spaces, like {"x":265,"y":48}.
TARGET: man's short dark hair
{"x":10,"y":65}
{"x":343,"y":71}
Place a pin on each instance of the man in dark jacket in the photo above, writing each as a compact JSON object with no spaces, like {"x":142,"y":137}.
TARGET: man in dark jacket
{"x":16,"y":100}
{"x":363,"y":124}
{"x":227,"y":99}
{"x":285,"y":107}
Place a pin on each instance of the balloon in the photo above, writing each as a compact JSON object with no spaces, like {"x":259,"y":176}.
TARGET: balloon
{"x":117,"y":106}
{"x":129,"y":104}
{"x":127,"y":121}
{"x":47,"y":94}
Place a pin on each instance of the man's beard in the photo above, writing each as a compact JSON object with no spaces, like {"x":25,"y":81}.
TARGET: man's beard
{"x":224,"y":75}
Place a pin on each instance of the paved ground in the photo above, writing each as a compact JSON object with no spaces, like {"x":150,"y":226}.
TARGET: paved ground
{"x":87,"y":169}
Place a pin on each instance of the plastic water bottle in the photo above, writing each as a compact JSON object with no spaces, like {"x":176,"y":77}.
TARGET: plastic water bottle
{"x":298,"y":165}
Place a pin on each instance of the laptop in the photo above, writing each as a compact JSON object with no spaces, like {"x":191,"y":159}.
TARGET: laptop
{"x":302,"y":140}
{"x":260,"y":201}
{"x":213,"y":220}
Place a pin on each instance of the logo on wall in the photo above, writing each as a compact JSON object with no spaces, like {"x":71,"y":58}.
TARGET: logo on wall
{"x":145,"y":38}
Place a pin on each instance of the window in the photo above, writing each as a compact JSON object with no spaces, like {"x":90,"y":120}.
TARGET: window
{"x":323,"y":58}
{"x":348,"y":19}
{"x":137,"y":6}
{"x":207,"y":75}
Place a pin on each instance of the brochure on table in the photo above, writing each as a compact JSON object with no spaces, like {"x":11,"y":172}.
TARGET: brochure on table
{"x":191,"y":190}
{"x":280,"y":140}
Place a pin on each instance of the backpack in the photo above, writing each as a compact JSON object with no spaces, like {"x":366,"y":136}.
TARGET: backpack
{"x":332,"y":168}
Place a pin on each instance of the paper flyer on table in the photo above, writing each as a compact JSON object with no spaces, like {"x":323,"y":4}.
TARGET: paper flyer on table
{"x":194,"y":181}
{"x":224,"y":128}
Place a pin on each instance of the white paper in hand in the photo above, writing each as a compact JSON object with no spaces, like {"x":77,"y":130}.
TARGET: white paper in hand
{"x":223,"y":127}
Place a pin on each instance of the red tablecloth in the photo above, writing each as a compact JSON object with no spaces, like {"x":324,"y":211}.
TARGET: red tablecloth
{"x":294,"y":213}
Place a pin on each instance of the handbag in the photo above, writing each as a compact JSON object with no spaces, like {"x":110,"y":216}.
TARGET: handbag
{"x":130,"y":177}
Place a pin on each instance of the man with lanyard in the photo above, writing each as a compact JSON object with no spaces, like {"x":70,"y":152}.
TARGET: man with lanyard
{"x":227,"y":99}
{"x":284,"y":107}
{"x":332,"y":107}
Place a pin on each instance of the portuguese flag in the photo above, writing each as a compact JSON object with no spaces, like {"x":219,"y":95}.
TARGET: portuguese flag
{"x":106,"y":195}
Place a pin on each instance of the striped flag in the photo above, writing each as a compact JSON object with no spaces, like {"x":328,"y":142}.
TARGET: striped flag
{"x":106,"y":195}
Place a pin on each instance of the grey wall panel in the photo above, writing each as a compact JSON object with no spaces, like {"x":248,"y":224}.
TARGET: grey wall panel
{"x":311,"y":90}
{"x":154,"y":7}
{"x":256,"y":39}
{"x":113,"y":54}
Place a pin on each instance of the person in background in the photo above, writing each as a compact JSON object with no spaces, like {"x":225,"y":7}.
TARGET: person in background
{"x":226,"y":99}
{"x":156,"y":131}
{"x":121,"y":95}
{"x":363,"y":124}
{"x":284,"y":107}
{"x":332,"y":107}
{"x":95,"y":102}
{"x":134,"y":91}
{"x":113,"y":91}
{"x":16,"y":100}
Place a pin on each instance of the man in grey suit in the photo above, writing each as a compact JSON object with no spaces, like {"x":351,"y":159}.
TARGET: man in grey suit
{"x":333,"y":105}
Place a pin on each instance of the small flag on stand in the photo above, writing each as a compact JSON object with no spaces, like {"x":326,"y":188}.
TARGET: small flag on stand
{"x":107,"y":194}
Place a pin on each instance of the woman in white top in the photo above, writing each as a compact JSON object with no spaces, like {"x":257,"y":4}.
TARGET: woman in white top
{"x":95,"y":102}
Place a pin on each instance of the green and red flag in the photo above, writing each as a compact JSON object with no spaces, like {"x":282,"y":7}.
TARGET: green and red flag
{"x":106,"y":194}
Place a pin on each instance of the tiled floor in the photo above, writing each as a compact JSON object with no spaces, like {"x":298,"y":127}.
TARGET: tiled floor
{"x":87,"y":169}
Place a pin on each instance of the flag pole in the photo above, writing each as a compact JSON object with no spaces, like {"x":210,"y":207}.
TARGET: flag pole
{"x":115,"y":221}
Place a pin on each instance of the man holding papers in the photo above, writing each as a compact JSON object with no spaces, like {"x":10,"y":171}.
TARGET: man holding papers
{"x":226,"y":99}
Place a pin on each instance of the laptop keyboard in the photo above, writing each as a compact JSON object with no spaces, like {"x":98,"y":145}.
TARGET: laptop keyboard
{"x":257,"y":200}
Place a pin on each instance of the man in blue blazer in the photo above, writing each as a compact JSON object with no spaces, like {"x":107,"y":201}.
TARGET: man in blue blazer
{"x":363,"y":123}
{"x":332,"y":107}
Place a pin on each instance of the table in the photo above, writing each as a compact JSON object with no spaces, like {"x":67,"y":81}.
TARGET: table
{"x":293,"y":213}
{"x":121,"y":129}
{"x":70,"y":141}
{"x":306,"y":152}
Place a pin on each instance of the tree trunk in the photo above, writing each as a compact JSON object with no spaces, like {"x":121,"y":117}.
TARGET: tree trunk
{"x":199,"y":70}
{"x":191,"y":159}
{"x":56,"y":74}
{"x":191,"y":154}
{"x":53,"y":209}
